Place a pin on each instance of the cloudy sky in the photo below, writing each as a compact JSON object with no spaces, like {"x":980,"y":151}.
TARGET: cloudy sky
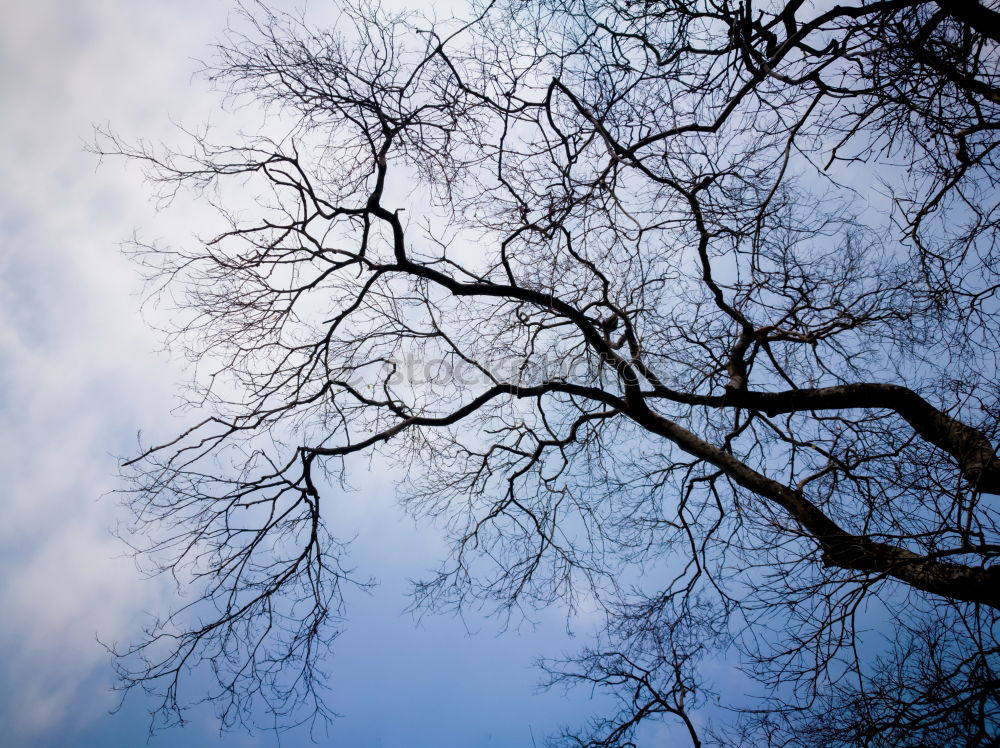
{"x":80,"y":373}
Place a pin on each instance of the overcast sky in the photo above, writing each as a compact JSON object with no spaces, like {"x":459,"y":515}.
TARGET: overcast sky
{"x":79,"y":374}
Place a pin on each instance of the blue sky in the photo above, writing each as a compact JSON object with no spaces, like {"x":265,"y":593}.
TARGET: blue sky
{"x":81,"y":370}
{"x":80,"y":373}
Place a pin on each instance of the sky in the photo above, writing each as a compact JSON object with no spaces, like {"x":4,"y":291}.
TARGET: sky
{"x":81,"y":370}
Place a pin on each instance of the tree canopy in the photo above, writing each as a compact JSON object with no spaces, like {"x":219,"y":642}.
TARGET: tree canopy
{"x":688,"y":308}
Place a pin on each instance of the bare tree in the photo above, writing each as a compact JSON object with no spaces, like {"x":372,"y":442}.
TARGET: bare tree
{"x":703,"y":297}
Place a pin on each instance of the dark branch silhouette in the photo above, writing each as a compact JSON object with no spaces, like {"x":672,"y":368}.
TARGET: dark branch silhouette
{"x":681,"y":306}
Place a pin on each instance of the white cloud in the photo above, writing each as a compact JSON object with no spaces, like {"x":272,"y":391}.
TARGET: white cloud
{"x":77,"y":372}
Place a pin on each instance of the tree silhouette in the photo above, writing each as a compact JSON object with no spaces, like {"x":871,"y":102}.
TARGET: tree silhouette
{"x":687,"y":307}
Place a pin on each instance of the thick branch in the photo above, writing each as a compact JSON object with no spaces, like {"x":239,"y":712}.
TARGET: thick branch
{"x":840,"y":548}
{"x":972,"y":12}
{"x":973,"y":452}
